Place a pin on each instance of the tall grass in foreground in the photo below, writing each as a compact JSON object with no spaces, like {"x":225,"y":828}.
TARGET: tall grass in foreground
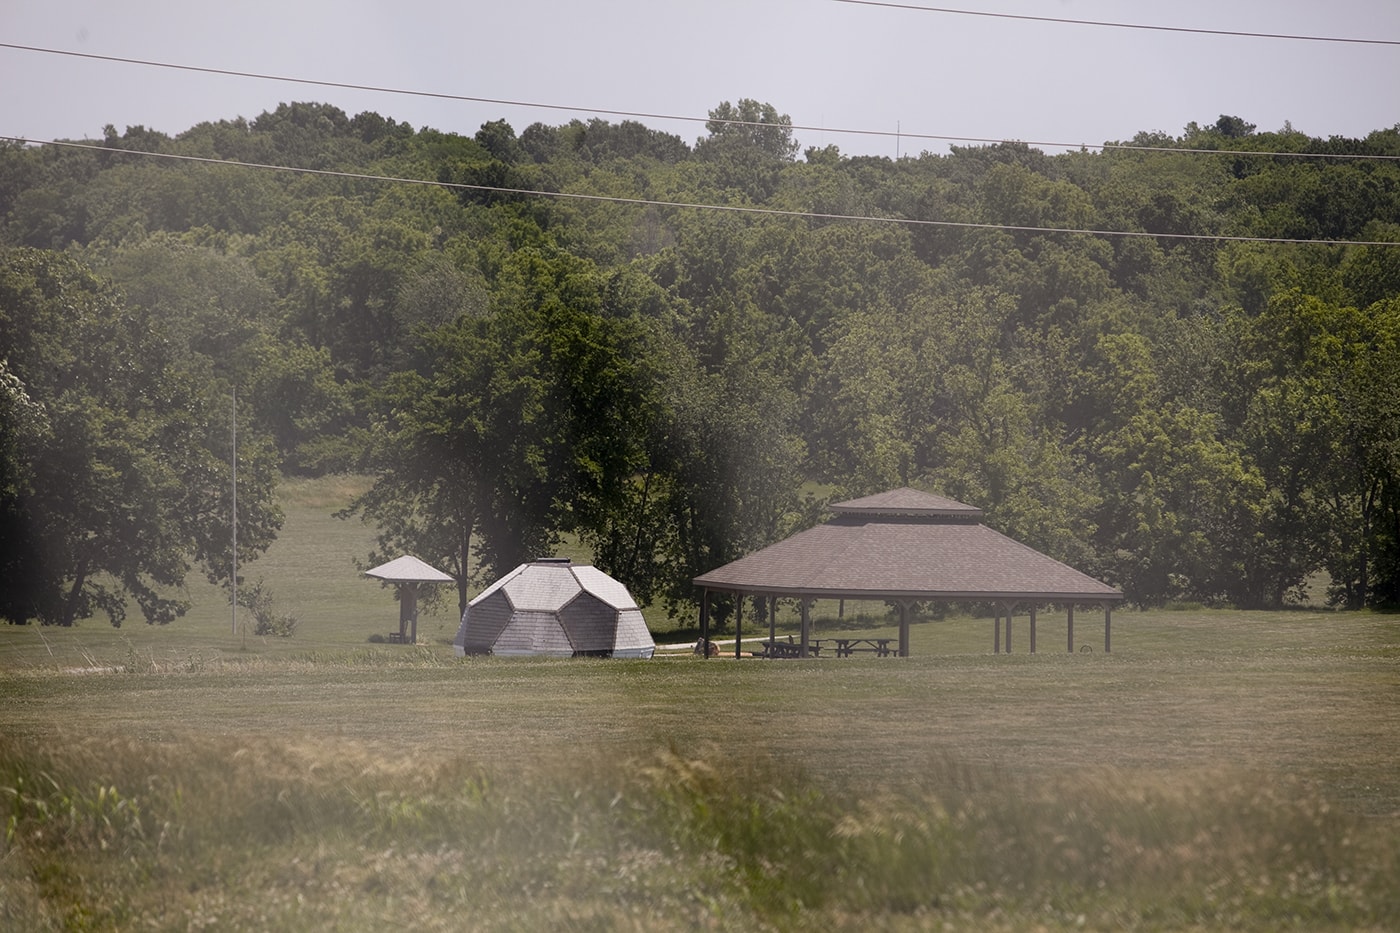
{"x":238,"y":834}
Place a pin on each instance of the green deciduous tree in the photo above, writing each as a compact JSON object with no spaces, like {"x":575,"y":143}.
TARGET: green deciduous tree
{"x":23,"y":424}
{"x":1180,"y":512}
{"x":516,"y":426}
{"x":749,"y":145}
{"x":1330,"y":372}
{"x":120,"y":481}
{"x":725,"y":468}
{"x":754,"y":125}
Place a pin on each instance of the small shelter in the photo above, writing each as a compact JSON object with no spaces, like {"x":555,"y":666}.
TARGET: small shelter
{"x":554,"y":607}
{"x":409,"y":573}
{"x":905,"y":546}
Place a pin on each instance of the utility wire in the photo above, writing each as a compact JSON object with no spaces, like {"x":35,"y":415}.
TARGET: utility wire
{"x":685,"y":205}
{"x":1091,"y":22}
{"x":643,"y":115}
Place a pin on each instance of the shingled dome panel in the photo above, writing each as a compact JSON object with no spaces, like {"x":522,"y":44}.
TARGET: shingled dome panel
{"x":542,"y":587}
{"x":604,"y":587}
{"x":591,"y":625}
{"x":632,"y":639}
{"x":490,"y":615}
{"x":555,"y":608}
{"x":533,"y":633}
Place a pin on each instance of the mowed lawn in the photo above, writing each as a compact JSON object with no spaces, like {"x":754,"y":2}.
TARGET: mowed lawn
{"x":1301,"y":695}
{"x":1307,"y":700}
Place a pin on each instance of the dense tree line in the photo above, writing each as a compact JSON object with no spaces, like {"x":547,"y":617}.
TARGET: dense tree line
{"x":1190,"y":418}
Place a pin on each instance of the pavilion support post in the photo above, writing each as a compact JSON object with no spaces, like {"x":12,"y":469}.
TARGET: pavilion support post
{"x":408,"y":610}
{"x":1032,"y":630}
{"x":1008,"y":628}
{"x":772,"y":619}
{"x":1069,"y":630}
{"x":738,"y":623}
{"x":1107,"y":628}
{"x":705,"y":624}
{"x":996,"y":630}
{"x":805,"y":604}
{"x":905,"y":610}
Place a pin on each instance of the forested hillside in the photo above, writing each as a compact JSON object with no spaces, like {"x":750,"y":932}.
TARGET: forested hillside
{"x":655,"y":345}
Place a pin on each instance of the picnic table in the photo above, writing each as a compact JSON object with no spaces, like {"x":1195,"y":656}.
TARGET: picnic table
{"x":786,"y":649}
{"x":880,"y":647}
{"x":842,"y":647}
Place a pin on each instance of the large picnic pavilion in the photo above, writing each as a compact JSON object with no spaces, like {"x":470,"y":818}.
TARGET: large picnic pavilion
{"x":905,"y":547}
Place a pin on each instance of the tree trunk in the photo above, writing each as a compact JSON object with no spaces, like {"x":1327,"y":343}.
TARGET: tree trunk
{"x":465,"y":578}
{"x":70,"y":605}
{"x":641,"y":525}
{"x":1368,"y":503}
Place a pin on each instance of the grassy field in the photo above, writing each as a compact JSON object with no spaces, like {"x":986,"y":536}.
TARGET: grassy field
{"x":1217,"y":770}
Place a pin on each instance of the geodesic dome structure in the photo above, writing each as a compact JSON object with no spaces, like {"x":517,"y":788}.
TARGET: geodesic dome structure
{"x":555,"y":608}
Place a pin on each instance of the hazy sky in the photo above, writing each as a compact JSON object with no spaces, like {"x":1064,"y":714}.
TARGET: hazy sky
{"x":822,"y":62}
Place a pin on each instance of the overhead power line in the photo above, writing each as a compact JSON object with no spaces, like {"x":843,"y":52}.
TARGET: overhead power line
{"x":681,"y":118}
{"x":1090,"y":22}
{"x":686,"y":205}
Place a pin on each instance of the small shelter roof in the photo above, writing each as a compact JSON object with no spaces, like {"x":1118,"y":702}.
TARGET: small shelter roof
{"x":408,"y":569}
{"x":410,"y":573}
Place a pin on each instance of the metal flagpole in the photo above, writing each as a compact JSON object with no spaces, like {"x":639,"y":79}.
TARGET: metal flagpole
{"x":234,"y":582}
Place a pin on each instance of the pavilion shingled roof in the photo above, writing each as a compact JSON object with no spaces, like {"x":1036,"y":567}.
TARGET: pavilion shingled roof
{"x":907,"y":501}
{"x":906,"y":544}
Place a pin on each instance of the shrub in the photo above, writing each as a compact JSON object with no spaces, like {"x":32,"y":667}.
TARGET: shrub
{"x":267,"y":620}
